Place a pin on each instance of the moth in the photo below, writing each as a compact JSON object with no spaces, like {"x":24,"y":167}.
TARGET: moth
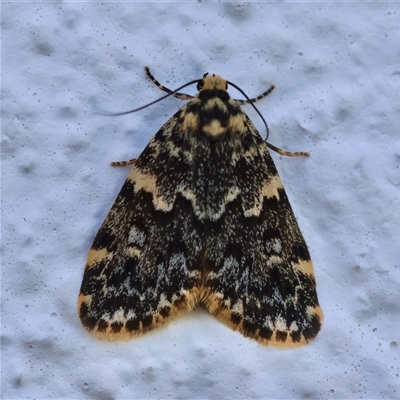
{"x":203,"y":218}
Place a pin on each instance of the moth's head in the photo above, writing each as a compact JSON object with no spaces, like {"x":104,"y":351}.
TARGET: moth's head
{"x":212,"y":82}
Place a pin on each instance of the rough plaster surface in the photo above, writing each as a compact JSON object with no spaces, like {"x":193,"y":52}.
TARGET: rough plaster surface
{"x":337,"y":74}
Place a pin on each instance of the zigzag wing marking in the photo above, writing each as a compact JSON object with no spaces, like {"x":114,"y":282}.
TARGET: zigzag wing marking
{"x":144,"y":265}
{"x":260,"y":276}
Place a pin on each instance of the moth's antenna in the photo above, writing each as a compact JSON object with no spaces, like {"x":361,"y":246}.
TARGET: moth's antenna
{"x":153,"y":102}
{"x":252,"y":103}
{"x":271,"y":146}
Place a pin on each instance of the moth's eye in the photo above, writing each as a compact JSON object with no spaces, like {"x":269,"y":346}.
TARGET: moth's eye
{"x":226,"y":85}
{"x":206,"y":74}
{"x":200,"y":84}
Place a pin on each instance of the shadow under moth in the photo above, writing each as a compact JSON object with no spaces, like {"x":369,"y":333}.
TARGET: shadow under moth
{"x":202,"y":218}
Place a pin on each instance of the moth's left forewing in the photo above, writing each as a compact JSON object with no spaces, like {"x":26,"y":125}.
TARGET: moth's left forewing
{"x":143,"y":267}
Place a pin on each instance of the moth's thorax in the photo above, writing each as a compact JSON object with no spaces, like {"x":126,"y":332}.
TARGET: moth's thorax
{"x":212,"y":112}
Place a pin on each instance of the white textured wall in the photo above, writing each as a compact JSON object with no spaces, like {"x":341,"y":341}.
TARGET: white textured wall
{"x":337,"y":71}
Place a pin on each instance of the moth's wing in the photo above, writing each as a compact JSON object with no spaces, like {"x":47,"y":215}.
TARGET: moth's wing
{"x":143,"y":267}
{"x":263,"y":283}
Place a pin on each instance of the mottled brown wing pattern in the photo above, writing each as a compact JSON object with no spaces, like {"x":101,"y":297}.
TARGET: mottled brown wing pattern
{"x":144,"y":264}
{"x":260,"y":278}
{"x":202,"y":218}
